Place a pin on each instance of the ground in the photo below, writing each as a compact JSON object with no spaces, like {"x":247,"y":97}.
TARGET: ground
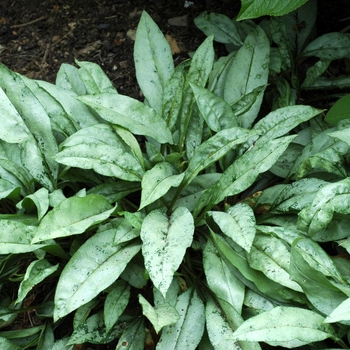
{"x":37,"y":36}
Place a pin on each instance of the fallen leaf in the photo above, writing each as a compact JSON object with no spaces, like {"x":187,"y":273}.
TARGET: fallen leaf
{"x":90,"y":48}
{"x":181,"y":21}
{"x":131,"y":33}
{"x":173,"y":44}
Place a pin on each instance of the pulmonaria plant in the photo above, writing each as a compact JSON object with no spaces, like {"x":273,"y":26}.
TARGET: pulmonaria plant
{"x":190,"y":220}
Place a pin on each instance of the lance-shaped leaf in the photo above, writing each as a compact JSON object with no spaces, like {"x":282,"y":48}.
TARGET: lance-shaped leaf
{"x":153,"y":61}
{"x":94,"y":267}
{"x":36,"y":272}
{"x":68,"y":78}
{"x":38,"y":200}
{"x":323,"y":295}
{"x":187,"y":332}
{"x":330,"y":46}
{"x":271,"y":256}
{"x":159,"y":316}
{"x":12,"y":129}
{"x":94,"y":78}
{"x":16,"y":236}
{"x":220,"y":278}
{"x":287,"y":327}
{"x":165,"y":240}
{"x":249,"y":71}
{"x":330,"y":199}
{"x":73,"y":216}
{"x":221,"y":26}
{"x":341,"y":313}
{"x":243,"y":172}
{"x":157,"y":181}
{"x":131,"y":114}
{"x":258,"y":8}
{"x":99,"y":148}
{"x":238,"y":224}
{"x":283,"y":120}
{"x":116,"y":301}
{"x":213,"y":149}
{"x":216,"y":111}
{"x":133,"y":337}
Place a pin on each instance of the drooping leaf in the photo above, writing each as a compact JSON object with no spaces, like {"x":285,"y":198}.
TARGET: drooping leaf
{"x":99,"y":148}
{"x":153,"y":61}
{"x":39,"y":200}
{"x":157,"y":181}
{"x":94,"y":267}
{"x":68,"y":78}
{"x":220,"y":278}
{"x":131,"y":114}
{"x":238,"y":224}
{"x":165,"y":240}
{"x":187,"y":332}
{"x":36,"y":272}
{"x":115,"y":303}
{"x":341,"y":313}
{"x":73,"y":216}
{"x":323,"y":295}
{"x":285,"y":326}
{"x":160,"y":316}
{"x":339,"y":111}
{"x":258,"y":8}
{"x":221,"y":26}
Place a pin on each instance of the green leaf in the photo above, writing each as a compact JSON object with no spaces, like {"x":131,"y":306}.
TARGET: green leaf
{"x":157,"y":181}
{"x":283,"y":120}
{"x":39,"y":200}
{"x":243,"y":172}
{"x":213,"y":149}
{"x":339,"y":111}
{"x":258,"y":8}
{"x":36,"y":272}
{"x":187,"y":332}
{"x":341,"y":313}
{"x":94,"y":267}
{"x":220,"y":278}
{"x":323,"y":295}
{"x":271,"y":256}
{"x":160,"y":316}
{"x":314,"y":72}
{"x":330,"y":199}
{"x":15,"y":237}
{"x":68,"y":78}
{"x":131,"y":114}
{"x":99,"y":148}
{"x":238,"y":224}
{"x":216,"y":111}
{"x":94,"y":78}
{"x":133,"y":338}
{"x":164,"y":244}
{"x":249,"y":71}
{"x":73,"y":216}
{"x":13,"y":129}
{"x":116,"y":301}
{"x":329,"y":46}
{"x":94,"y":331}
{"x":285,"y":326}
{"x":221,"y":26}
{"x":218,"y":328}
{"x":153,"y":61}
{"x":8,"y":345}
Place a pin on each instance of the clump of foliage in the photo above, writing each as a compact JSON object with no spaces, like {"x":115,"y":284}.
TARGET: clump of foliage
{"x":197,"y":219}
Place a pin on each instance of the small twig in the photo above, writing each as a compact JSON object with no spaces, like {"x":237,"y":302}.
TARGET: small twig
{"x":28,"y":23}
{"x":47,"y":49}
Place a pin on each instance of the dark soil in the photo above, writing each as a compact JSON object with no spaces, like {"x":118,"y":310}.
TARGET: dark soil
{"x":37,"y":36}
